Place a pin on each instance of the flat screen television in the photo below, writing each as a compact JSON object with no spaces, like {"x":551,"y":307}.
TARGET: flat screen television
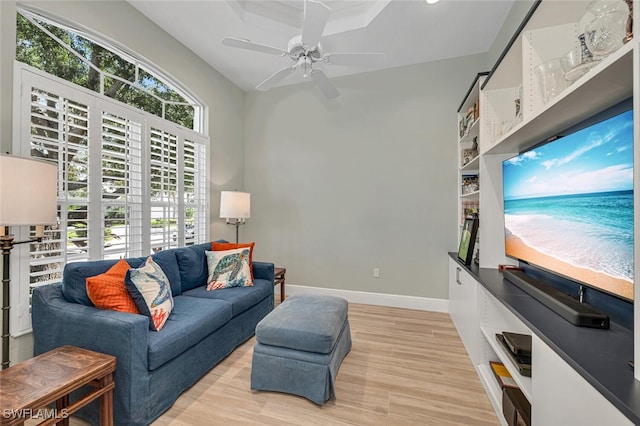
{"x":568,"y":204}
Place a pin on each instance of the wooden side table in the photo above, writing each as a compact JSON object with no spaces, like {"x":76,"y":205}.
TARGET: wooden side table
{"x":28,"y":387}
{"x":278,"y":278}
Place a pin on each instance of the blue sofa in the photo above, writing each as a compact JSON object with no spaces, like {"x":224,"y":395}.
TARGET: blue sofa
{"x":153,"y":367}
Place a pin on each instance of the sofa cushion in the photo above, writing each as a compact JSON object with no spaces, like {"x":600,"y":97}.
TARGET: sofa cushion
{"x":169,"y":264}
{"x":108,"y":290}
{"x":75,"y":274}
{"x":74,"y":277}
{"x":150,"y":289}
{"x":241,"y":298}
{"x":228,"y":268}
{"x":191,"y":320}
{"x":192,"y":265}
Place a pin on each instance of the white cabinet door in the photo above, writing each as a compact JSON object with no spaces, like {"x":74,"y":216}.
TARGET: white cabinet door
{"x":463,"y":307}
{"x":562,"y":397}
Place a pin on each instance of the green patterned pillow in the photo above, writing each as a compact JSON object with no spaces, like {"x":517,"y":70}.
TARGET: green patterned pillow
{"x":228,"y":268}
{"x":151,"y":291}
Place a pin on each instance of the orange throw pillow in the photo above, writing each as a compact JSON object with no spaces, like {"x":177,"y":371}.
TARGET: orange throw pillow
{"x":108,"y":291}
{"x":216,"y":246}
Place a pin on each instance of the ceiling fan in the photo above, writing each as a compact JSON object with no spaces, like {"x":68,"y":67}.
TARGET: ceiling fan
{"x":305,"y":50}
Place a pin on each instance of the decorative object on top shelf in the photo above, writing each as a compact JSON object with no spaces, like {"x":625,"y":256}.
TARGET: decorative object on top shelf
{"x":518,"y":104}
{"x":28,"y":196}
{"x":576,"y":63}
{"x":629,"y":36}
{"x":585,"y":53}
{"x":468,"y":240}
{"x":608,"y":30}
{"x":550,"y":75}
{"x":237,"y":206}
{"x":498,"y":128}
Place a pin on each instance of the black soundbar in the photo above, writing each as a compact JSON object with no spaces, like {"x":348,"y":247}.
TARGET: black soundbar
{"x":567,"y":307}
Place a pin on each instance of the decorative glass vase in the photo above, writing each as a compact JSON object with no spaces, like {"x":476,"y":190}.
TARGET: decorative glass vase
{"x":551,"y":79}
{"x":606,"y":32}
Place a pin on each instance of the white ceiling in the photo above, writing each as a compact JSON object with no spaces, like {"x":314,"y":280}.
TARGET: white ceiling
{"x":406,"y":31}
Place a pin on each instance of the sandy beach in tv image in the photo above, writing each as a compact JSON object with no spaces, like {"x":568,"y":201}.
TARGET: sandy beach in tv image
{"x":569,"y":206}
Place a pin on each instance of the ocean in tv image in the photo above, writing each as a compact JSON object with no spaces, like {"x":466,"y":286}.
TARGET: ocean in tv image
{"x":569,"y":205}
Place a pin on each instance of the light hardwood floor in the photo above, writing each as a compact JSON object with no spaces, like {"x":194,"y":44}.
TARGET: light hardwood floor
{"x":405,"y":367}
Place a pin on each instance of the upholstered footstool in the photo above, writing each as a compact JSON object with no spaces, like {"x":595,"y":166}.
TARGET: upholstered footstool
{"x":300,"y":346}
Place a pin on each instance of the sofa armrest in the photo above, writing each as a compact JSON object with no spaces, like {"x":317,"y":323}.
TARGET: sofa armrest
{"x":263,"y":270}
{"x":58,"y":322}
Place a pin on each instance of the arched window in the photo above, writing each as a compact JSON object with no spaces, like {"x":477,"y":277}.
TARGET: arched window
{"x":78,"y":58}
{"x":131,"y":157}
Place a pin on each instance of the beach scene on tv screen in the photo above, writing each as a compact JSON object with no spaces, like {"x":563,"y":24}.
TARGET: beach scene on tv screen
{"x":568,"y":205}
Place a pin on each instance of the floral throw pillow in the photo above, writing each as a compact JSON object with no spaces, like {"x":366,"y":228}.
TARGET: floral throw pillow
{"x":228,"y":268}
{"x":151,"y":291}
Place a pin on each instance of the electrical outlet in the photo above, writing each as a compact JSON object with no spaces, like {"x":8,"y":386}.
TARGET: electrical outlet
{"x":376,"y":273}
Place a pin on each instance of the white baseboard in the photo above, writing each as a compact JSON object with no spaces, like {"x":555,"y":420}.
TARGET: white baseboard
{"x":379,"y":299}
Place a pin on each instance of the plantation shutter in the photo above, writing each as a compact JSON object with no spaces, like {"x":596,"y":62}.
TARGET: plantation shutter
{"x":163,"y":167}
{"x":121,"y":188}
{"x":54,"y":125}
{"x":125,"y":186}
{"x":194,"y":189}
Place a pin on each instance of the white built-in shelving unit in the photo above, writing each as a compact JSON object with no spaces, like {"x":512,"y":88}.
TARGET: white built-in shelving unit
{"x":549,"y":31}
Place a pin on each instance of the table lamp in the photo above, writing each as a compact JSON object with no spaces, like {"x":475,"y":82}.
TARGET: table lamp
{"x":235,"y":207}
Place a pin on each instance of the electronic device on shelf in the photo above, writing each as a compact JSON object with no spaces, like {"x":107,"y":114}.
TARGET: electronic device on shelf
{"x":569,"y":211}
{"x":522,"y":362}
{"x":567,"y":307}
{"x":519,"y":344}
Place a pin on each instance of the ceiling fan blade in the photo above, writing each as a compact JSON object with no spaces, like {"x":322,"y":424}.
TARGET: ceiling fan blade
{"x":316,"y":16}
{"x":249,"y":45}
{"x":275,"y":78}
{"x":325,"y":85}
{"x":366,"y":59}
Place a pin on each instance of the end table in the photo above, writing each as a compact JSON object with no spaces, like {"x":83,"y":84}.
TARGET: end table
{"x":30,"y":385}
{"x":278,"y":278}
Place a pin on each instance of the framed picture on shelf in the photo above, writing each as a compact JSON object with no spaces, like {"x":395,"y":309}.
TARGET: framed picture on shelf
{"x":468,"y":240}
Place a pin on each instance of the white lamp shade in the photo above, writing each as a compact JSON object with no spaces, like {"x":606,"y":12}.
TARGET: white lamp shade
{"x":235,"y":205}
{"x":28,"y":191}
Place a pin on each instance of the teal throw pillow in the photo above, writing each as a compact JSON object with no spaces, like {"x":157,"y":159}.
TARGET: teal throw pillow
{"x":151,"y":292}
{"x":228,"y":268}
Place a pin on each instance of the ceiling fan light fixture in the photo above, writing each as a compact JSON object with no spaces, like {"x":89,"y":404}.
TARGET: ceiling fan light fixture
{"x":432,"y":1}
{"x":305,"y":49}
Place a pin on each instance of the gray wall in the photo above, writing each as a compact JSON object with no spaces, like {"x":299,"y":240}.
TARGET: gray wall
{"x":123,"y":24}
{"x":365,"y":181}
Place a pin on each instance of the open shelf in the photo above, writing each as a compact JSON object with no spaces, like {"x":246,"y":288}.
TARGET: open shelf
{"x":494,"y":392}
{"x":470,"y":196}
{"x":524,"y":383}
{"x":471,"y":166}
{"x":612,"y":80}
